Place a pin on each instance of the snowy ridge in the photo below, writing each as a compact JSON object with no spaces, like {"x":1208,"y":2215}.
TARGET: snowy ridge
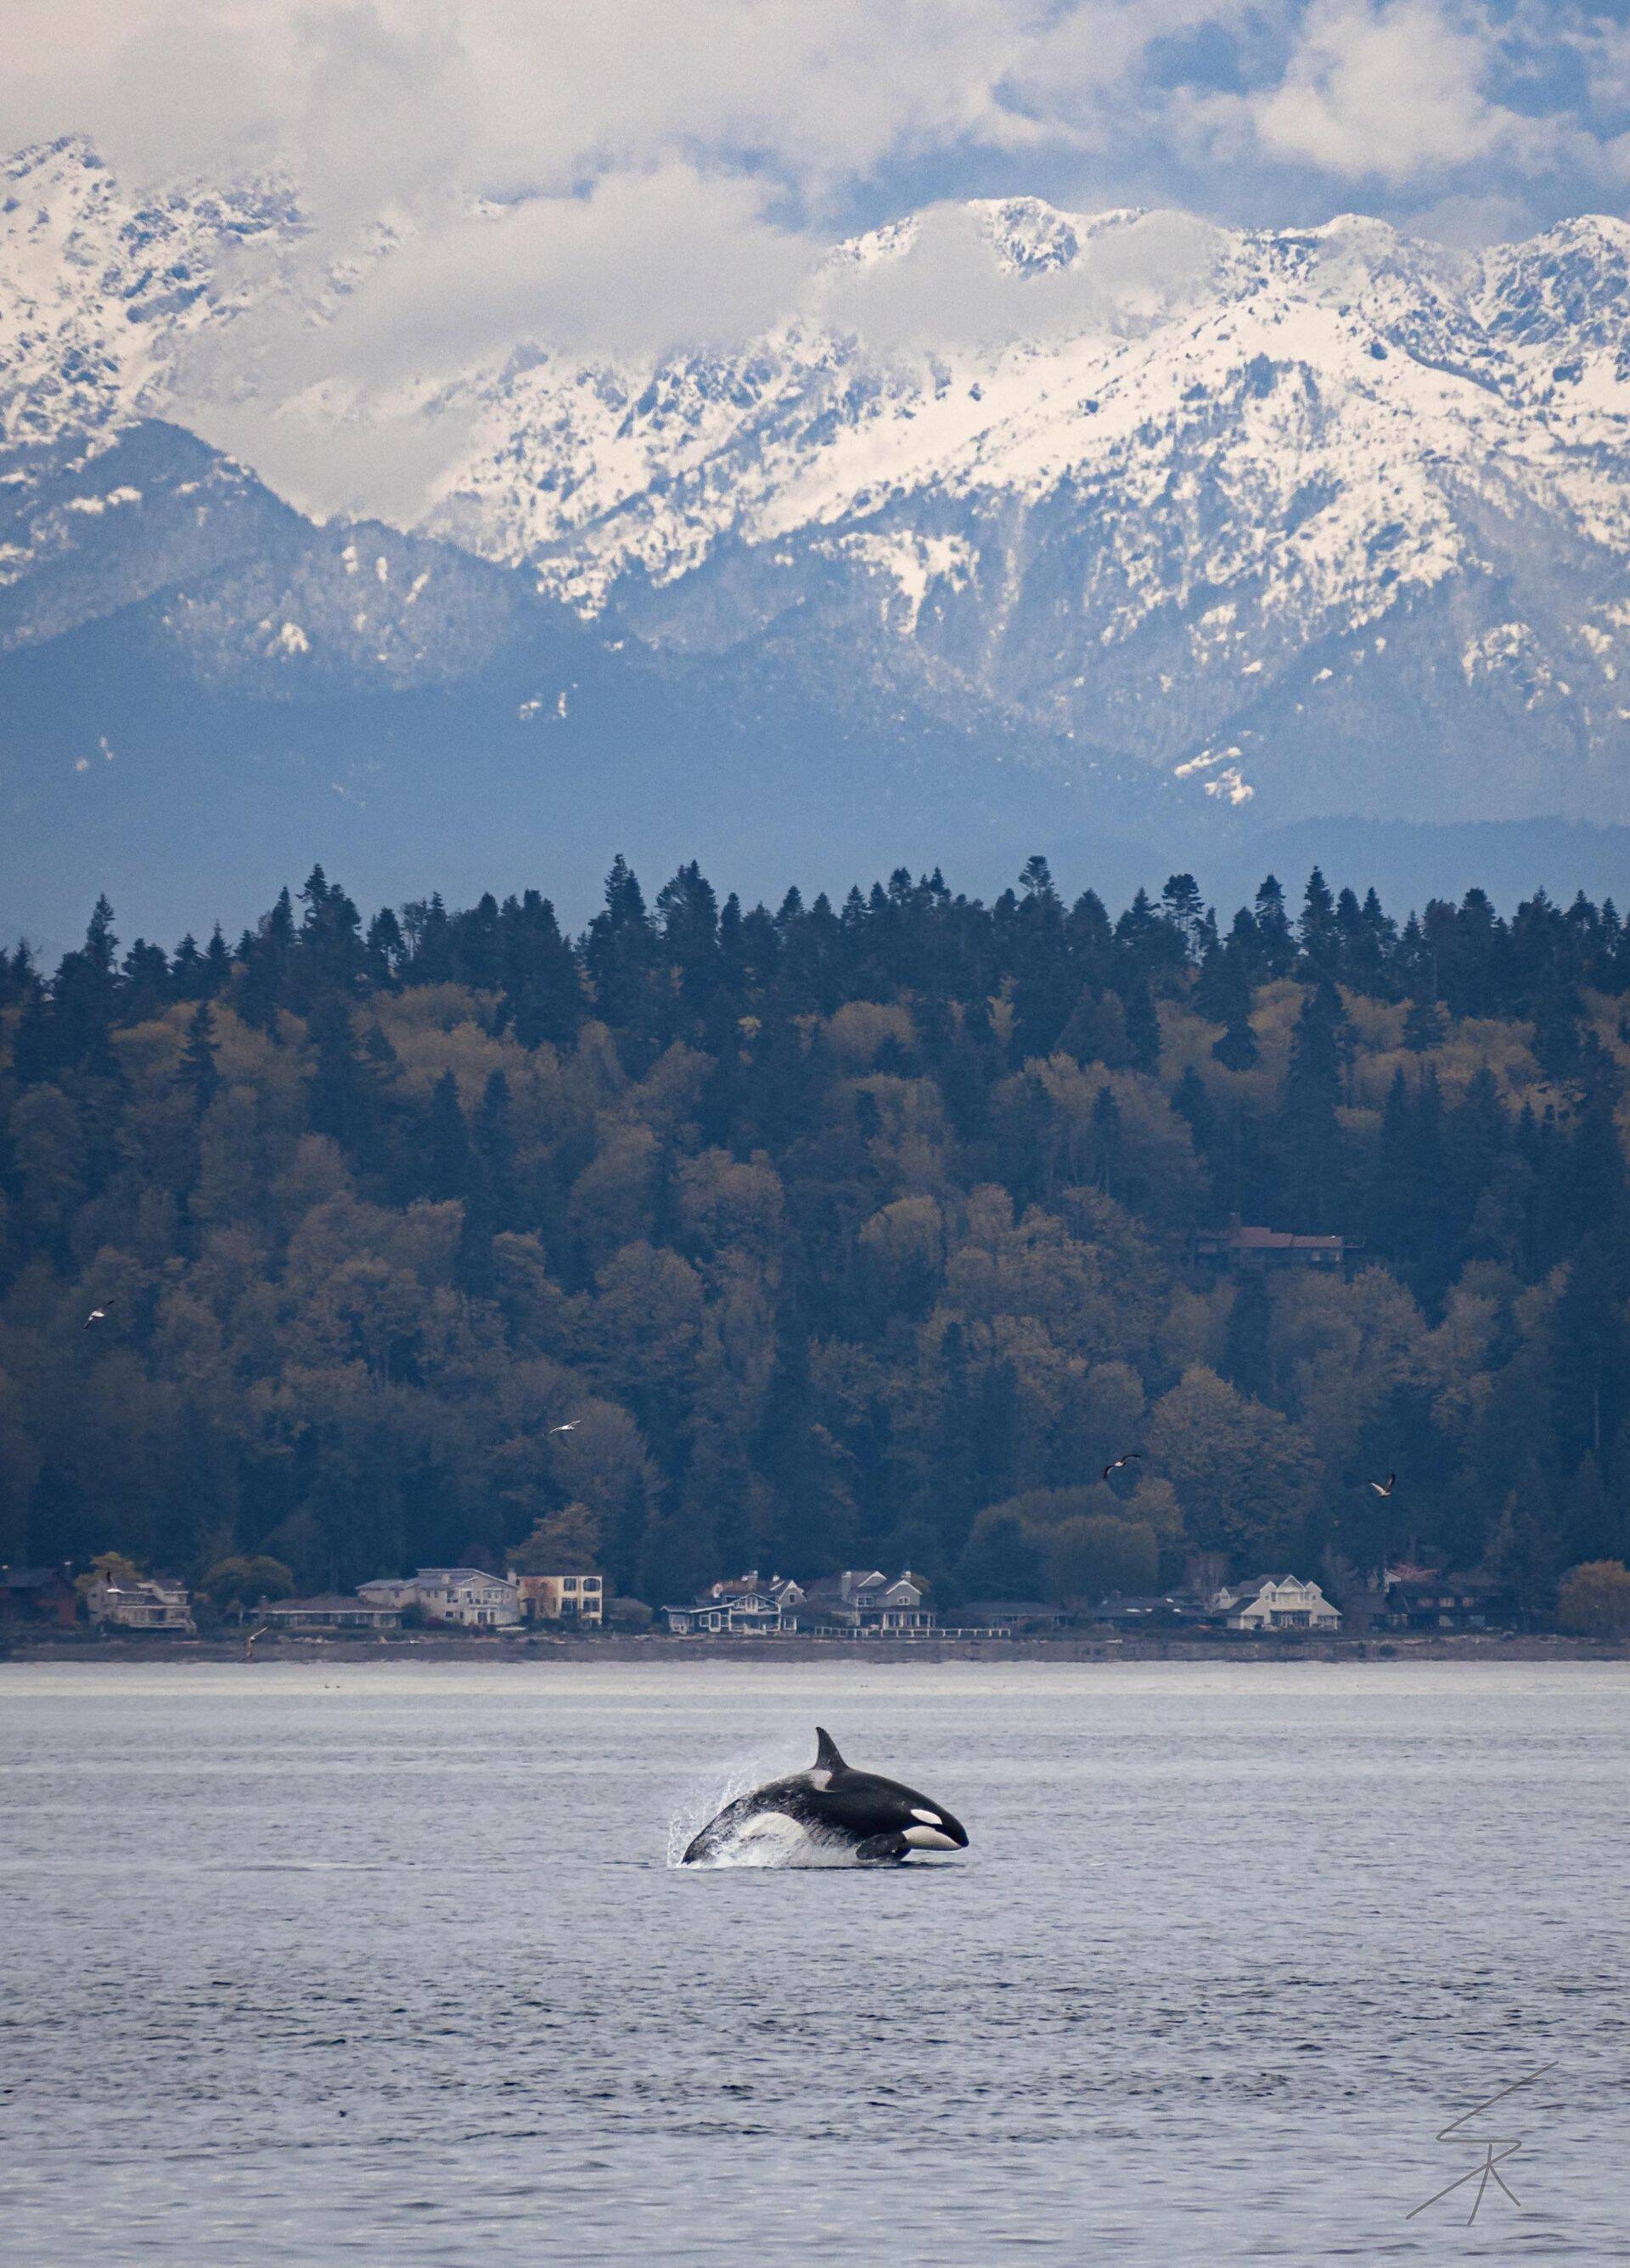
{"x":1258,"y":507}
{"x":1318,"y":518}
{"x":98,"y":289}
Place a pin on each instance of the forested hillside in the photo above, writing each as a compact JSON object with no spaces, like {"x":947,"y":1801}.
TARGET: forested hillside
{"x":853,"y":1233}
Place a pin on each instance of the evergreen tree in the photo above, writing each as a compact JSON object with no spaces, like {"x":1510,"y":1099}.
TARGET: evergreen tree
{"x":495,"y":1150}
{"x":447,"y":1158}
{"x":1423,"y":1026}
{"x":1316,"y":929}
{"x":345,"y":1087}
{"x":1274,"y":941}
{"x":197,"y":1074}
{"x":1314,"y":1166}
{"x":1185,"y":910}
{"x":1137,"y":1001}
{"x":1106,"y":1139}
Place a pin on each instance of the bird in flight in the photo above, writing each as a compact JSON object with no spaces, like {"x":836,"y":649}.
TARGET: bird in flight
{"x":95,"y":1315}
{"x":571,"y":1426}
{"x":1132,"y":1457}
{"x":1386,"y":1487}
{"x":249,"y":1641}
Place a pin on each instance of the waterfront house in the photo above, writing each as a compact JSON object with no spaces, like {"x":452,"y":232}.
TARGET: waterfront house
{"x":467,"y":1597}
{"x":1274,"y":1602}
{"x":1420,"y":1599}
{"x":1154,"y":1610}
{"x":743,"y":1607}
{"x":1011,"y":1615}
{"x":578,"y":1599}
{"x":859,"y":1601}
{"x":862,"y":1600}
{"x":145,"y":1603}
{"x":334,"y":1610}
{"x":38,"y":1594}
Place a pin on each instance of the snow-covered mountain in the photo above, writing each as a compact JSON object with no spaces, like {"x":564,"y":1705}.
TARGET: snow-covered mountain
{"x":101,"y":288}
{"x":1326,"y":518}
{"x":1184,"y":527}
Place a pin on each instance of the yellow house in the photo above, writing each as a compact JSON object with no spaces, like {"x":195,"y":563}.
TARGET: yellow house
{"x":561,"y":1598}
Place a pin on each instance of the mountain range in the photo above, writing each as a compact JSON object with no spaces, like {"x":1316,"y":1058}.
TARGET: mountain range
{"x":1127,"y":536}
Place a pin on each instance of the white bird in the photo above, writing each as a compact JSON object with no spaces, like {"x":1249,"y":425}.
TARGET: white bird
{"x":249,"y":1641}
{"x":95,"y":1315}
{"x":571,"y":1426}
{"x":1132,"y":1457}
{"x":1386,"y":1487}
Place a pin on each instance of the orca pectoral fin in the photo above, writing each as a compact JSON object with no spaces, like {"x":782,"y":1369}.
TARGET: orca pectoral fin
{"x":882,"y":1850}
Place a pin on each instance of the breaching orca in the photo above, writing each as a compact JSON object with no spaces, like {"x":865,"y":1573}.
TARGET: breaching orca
{"x":879,"y":1820}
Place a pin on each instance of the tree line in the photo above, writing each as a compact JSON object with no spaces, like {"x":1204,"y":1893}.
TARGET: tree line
{"x":846,"y":1233}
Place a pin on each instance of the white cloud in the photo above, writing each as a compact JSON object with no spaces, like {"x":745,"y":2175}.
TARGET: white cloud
{"x":516,"y":95}
{"x":641,"y":260}
{"x":1470,"y":222}
{"x":1383,"y":91}
{"x":949,"y":288}
{"x":362,"y":411}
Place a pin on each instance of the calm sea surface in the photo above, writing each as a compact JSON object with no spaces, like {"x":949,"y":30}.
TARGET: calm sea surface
{"x":385,"y":1964}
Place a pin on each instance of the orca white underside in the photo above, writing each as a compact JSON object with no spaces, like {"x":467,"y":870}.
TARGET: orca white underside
{"x":770,"y":1838}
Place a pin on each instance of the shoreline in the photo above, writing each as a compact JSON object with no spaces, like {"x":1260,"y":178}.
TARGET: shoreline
{"x":1423,"y":1647}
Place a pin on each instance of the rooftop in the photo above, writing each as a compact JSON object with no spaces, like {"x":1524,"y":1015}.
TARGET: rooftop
{"x":327,"y":1602}
{"x":1276,"y":1240}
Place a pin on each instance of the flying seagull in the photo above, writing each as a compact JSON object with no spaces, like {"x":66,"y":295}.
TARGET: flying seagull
{"x":1132,"y":1457}
{"x":95,"y":1315}
{"x":249,"y":1641}
{"x":571,"y":1426}
{"x":1386,"y":1487}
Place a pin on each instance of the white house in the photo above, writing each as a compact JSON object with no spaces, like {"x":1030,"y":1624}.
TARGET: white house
{"x":861,"y":1600}
{"x":467,"y":1596}
{"x":1274,"y":1602}
{"x":146,"y":1604}
{"x":743,"y":1607}
{"x":864,"y":1599}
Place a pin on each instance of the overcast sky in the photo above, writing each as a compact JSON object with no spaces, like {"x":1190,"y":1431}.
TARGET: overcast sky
{"x":669,"y":168}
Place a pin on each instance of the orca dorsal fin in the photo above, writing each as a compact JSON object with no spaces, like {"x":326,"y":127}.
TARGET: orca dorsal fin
{"x":827,"y":1757}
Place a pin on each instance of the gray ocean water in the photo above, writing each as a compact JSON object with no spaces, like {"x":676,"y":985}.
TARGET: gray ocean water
{"x":387,"y":1965}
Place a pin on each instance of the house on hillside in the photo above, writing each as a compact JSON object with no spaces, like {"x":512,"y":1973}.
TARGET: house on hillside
{"x":578,"y":1599}
{"x":1274,"y":1602}
{"x":145,"y":1603}
{"x":38,"y":1596}
{"x":1242,"y":1250}
{"x":467,"y":1597}
{"x":333,"y":1610}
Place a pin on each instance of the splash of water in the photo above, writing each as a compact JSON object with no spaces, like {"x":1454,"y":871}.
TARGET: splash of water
{"x":767,"y":1839}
